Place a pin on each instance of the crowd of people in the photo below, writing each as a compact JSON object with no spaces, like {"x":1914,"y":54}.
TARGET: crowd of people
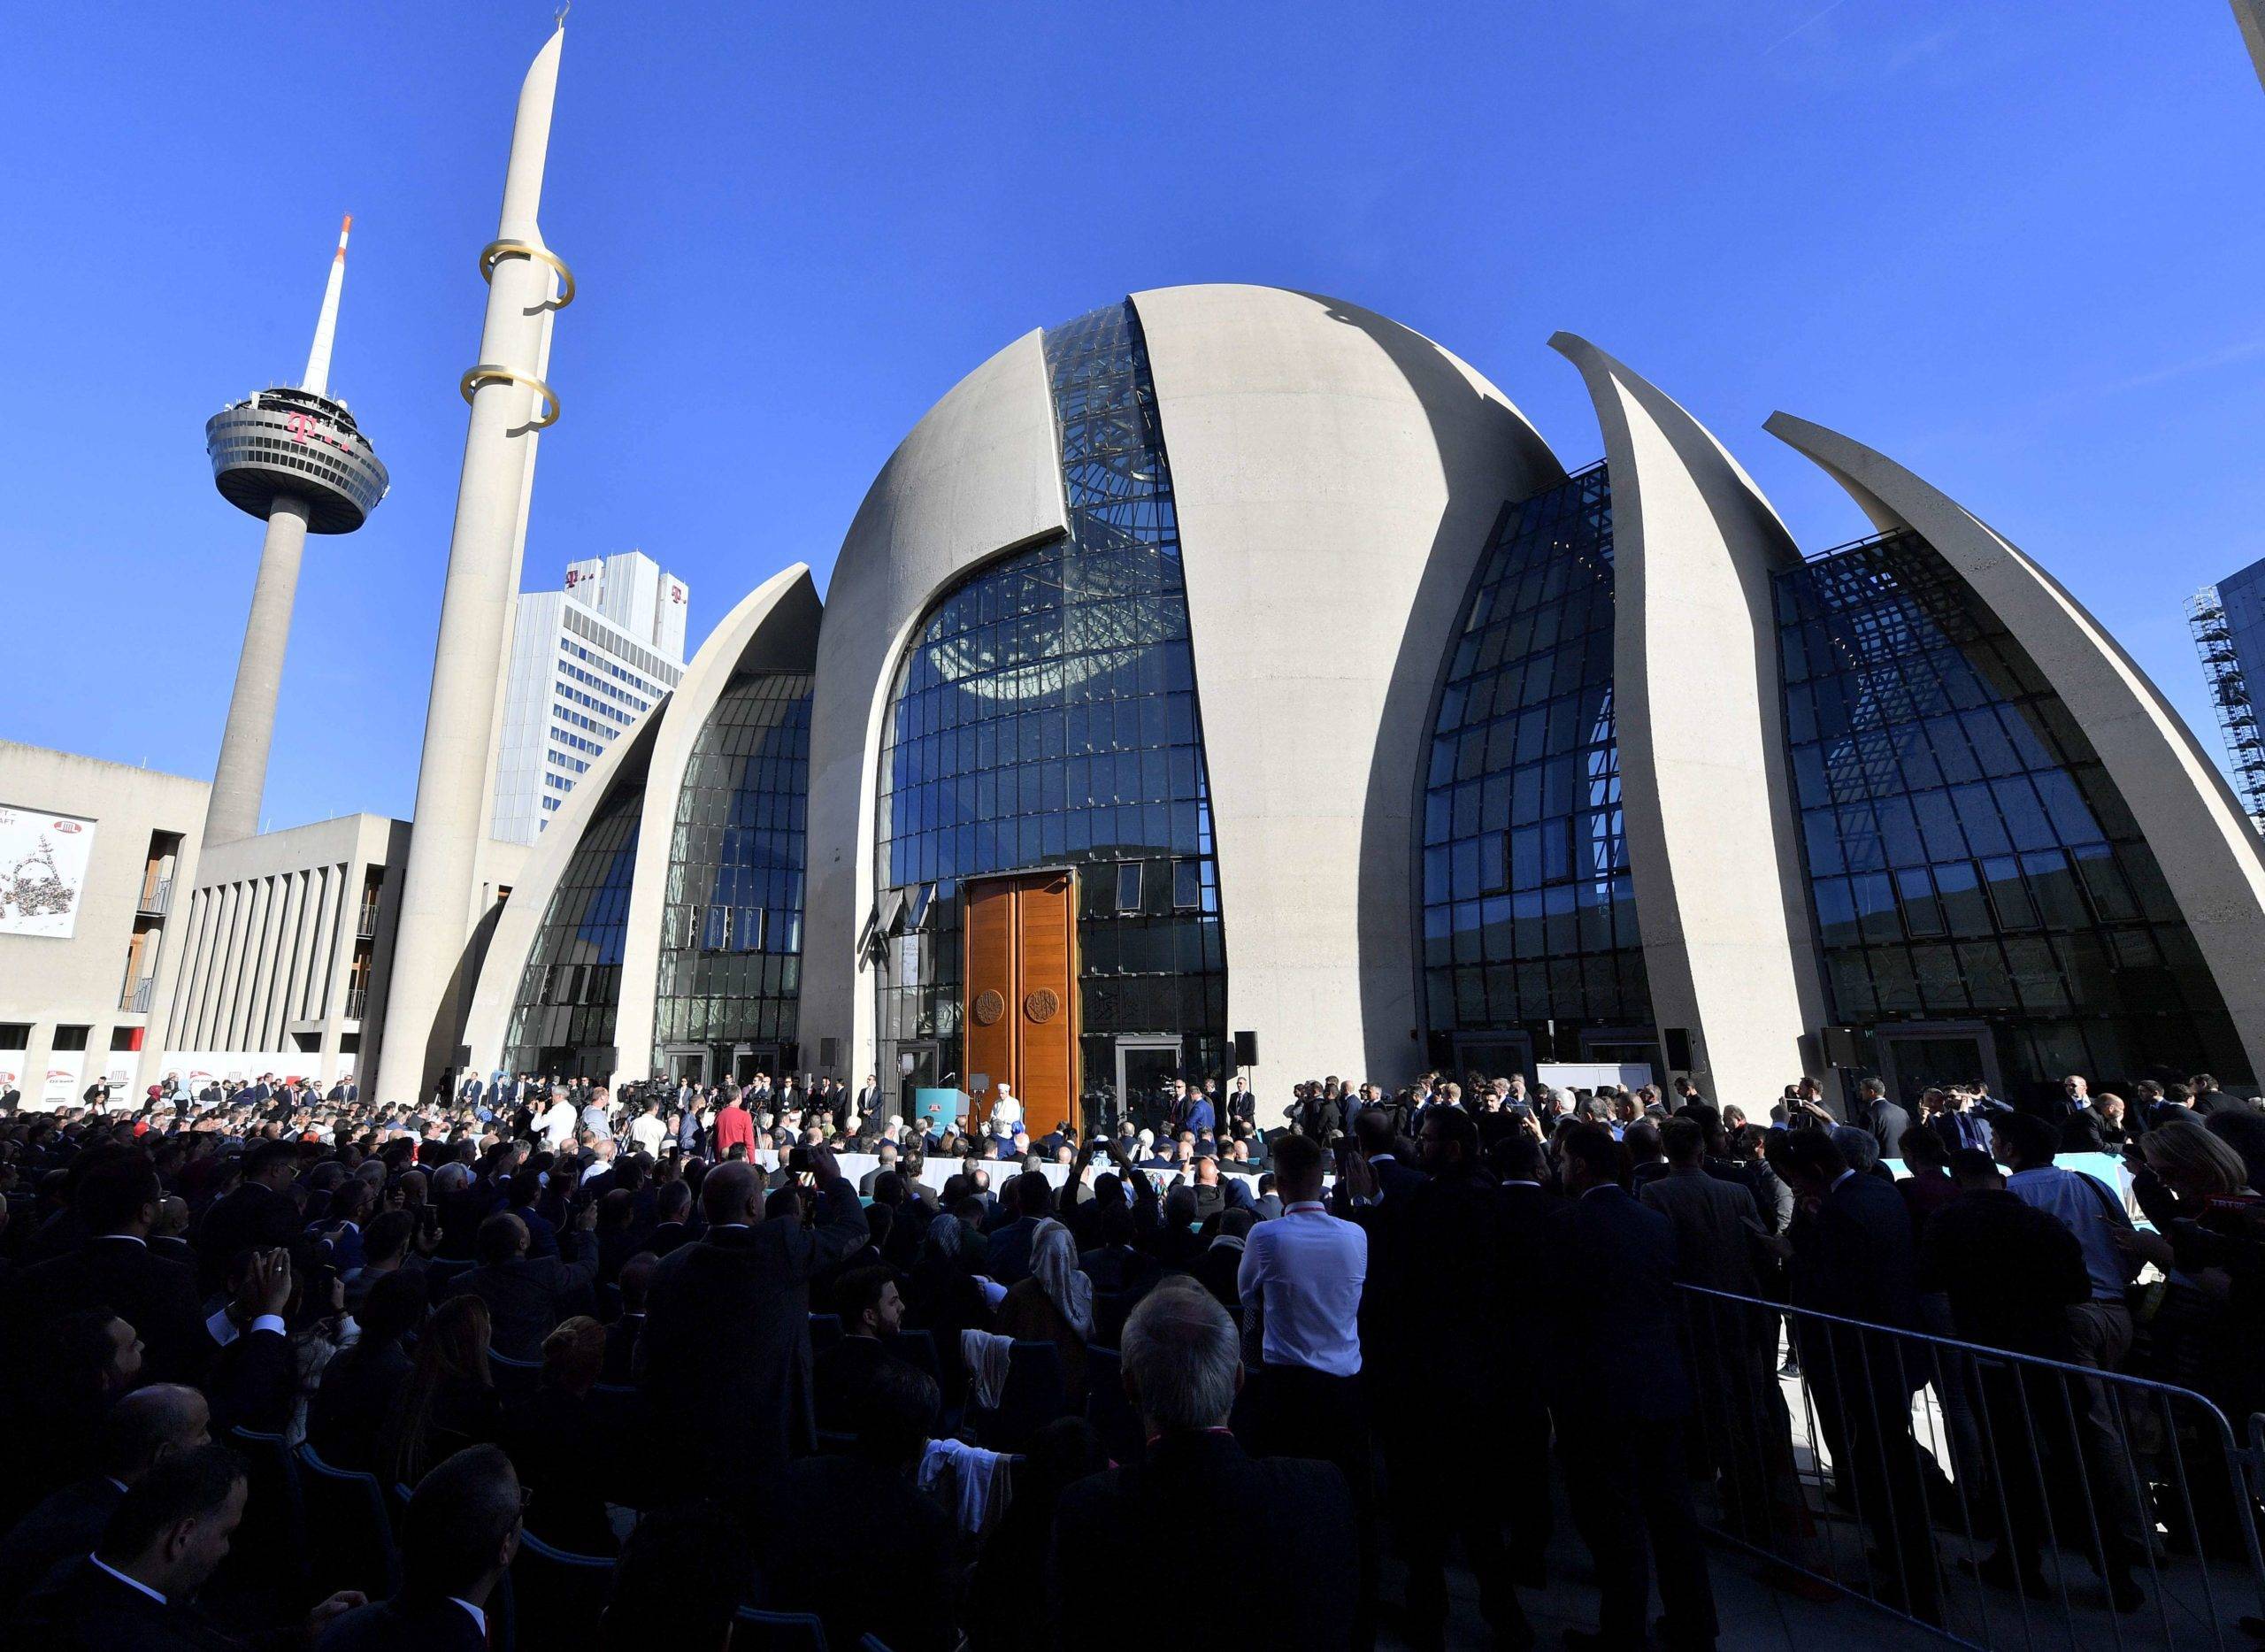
{"x":661,"y":1328}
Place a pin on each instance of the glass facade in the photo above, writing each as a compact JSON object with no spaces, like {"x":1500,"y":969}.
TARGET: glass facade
{"x":1528,"y":911}
{"x":563,"y":1016}
{"x":732,"y":929}
{"x":1045,"y":715}
{"x":1968,"y":858}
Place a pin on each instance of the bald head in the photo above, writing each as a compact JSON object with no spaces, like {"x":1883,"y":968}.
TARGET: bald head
{"x":731,"y":1193}
{"x":150,"y":1423}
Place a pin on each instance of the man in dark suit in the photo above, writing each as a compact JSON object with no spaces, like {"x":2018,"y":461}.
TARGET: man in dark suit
{"x":1433,"y":1334}
{"x":135,"y":1591}
{"x":727,"y":1326}
{"x":906,"y":1604}
{"x":1194,"y":1491}
{"x":139,"y":1430}
{"x":1378,"y":1142}
{"x":1527,"y":1205}
{"x":527,"y":1296}
{"x":257,"y":1215}
{"x":1031,"y":1197}
{"x":1854,"y":1257}
{"x":458,"y":1537}
{"x":1621,"y":1399}
{"x":1887,"y":1120}
{"x":117,"y":1203}
{"x":635,"y":1283}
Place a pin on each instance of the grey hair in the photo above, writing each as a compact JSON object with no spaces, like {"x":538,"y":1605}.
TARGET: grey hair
{"x":452,"y":1176}
{"x":1858,"y":1146}
{"x":1181,"y":1355}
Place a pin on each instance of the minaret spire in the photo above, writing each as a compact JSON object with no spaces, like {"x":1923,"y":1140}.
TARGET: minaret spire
{"x":444,"y":893}
{"x":317,"y":374}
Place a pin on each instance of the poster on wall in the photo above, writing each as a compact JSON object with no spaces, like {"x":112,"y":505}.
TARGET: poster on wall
{"x":42,"y":870}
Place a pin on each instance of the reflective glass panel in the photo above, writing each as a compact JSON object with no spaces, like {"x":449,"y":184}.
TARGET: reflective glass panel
{"x":1934,"y":765}
{"x":563,"y":1016}
{"x":732,"y":924}
{"x":1528,"y":911}
{"x":1045,"y":714}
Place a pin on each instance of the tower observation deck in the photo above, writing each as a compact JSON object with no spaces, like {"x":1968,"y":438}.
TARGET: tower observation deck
{"x":300,"y":443}
{"x":294,"y":459}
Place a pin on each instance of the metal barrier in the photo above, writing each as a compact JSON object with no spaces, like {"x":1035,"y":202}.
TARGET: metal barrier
{"x":1993,"y":1498}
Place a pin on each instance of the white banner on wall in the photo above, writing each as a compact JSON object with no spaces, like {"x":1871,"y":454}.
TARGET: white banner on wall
{"x":64,"y":1069}
{"x":42,"y":870}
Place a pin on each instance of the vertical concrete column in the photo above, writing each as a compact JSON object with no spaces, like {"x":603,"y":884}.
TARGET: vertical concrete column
{"x":476,"y":602}
{"x":241,"y":775}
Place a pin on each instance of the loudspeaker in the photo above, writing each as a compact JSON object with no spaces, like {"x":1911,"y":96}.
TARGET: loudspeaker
{"x":463,"y":1055}
{"x":1678,"y":1048}
{"x":1840,"y":1048}
{"x":1246,"y":1049}
{"x":829,"y":1051}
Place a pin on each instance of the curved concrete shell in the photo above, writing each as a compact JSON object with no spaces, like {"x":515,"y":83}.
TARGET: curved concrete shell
{"x":775,"y":628}
{"x":1335,"y":476}
{"x":488,"y":1024}
{"x":2207,"y":851}
{"x":1713,"y":840}
{"x":978,"y":475}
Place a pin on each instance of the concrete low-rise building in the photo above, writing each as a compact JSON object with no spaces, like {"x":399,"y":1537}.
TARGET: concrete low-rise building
{"x":95,"y":864}
{"x":285,"y":944}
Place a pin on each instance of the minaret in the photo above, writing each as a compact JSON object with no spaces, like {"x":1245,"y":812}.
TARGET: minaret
{"x":296,"y":459}
{"x":510,"y":403}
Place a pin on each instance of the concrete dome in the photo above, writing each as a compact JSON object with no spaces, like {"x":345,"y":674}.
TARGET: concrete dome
{"x":1335,"y":476}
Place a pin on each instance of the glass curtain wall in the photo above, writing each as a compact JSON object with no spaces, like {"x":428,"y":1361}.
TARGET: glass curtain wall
{"x":1968,"y":858}
{"x":1529,"y":910}
{"x":563,"y":1017}
{"x":731,"y":927}
{"x":1045,"y":715}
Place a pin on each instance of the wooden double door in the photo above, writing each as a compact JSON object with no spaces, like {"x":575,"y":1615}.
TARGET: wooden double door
{"x":1020,"y":1017}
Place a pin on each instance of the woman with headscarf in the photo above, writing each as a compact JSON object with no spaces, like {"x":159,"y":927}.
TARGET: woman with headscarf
{"x":1055,"y":1304}
{"x":944,"y":1298}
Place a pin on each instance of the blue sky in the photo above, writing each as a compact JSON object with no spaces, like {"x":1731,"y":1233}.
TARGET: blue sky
{"x":2016,"y":247}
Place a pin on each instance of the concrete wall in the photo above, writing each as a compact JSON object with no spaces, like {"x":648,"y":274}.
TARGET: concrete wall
{"x":2209,"y":853}
{"x":263,"y":981}
{"x":1712,"y":828}
{"x":978,"y":475}
{"x":1335,"y":477}
{"x":81,"y":979}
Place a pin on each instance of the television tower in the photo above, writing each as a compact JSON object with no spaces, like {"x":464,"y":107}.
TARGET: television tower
{"x":296,"y":459}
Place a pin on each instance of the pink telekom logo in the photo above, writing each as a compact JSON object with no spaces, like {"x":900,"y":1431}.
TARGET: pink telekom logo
{"x":302,"y":424}
{"x":573,"y":576}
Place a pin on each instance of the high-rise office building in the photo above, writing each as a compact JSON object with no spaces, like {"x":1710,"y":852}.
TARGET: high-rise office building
{"x":587,"y":662}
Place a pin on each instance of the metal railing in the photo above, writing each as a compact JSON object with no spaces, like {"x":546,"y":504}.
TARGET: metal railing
{"x":365,"y":925}
{"x":136,"y":998}
{"x":357,"y":999}
{"x":157,"y":899}
{"x":1995,"y":1498}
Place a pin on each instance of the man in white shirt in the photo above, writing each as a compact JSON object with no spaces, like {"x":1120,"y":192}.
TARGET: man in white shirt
{"x":648,"y":1131}
{"x":1300,"y":1281}
{"x":556,"y":1125}
{"x":2098,"y":1330}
